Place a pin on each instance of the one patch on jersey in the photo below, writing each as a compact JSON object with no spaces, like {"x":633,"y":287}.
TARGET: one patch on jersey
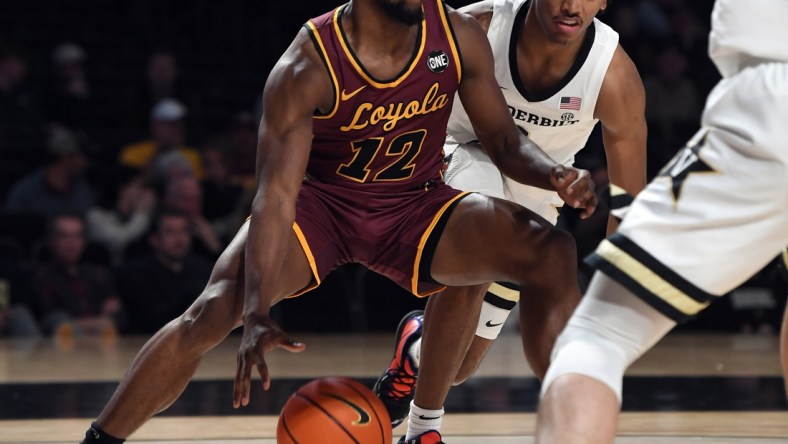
{"x":437,"y":61}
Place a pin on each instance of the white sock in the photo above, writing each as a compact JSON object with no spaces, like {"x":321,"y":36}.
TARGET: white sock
{"x":415,"y":352}
{"x":422,"y":420}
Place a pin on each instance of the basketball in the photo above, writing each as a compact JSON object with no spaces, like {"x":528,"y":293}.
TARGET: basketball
{"x":336,"y":411}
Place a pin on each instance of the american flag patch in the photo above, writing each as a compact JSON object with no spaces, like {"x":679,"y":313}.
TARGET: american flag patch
{"x":570,"y":103}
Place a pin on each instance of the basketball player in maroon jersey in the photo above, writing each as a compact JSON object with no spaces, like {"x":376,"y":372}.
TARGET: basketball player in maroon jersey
{"x":349,"y":170}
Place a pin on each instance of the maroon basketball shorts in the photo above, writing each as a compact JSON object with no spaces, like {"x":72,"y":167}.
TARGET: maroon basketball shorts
{"x":394,"y":234}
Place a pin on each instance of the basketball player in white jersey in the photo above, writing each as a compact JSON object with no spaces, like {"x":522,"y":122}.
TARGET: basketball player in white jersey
{"x":561,"y":71}
{"x":715,"y":215}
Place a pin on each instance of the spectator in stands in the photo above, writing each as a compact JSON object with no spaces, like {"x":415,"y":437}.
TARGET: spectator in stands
{"x":689,"y":31}
{"x":69,"y":292}
{"x":184,"y":195}
{"x":160,"y":81}
{"x":221,"y":193}
{"x":167,"y":168}
{"x":68,"y":101}
{"x":59,"y":185}
{"x":162,"y":76}
{"x":167,"y":135}
{"x":124,"y":215}
{"x":157,"y":287}
{"x":22,"y":123}
{"x":16,"y":319}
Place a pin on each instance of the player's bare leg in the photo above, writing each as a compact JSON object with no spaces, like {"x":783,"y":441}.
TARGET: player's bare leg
{"x":445,"y":339}
{"x":577,"y":409}
{"x":540,"y":323}
{"x":163,"y":367}
{"x":581,"y":392}
{"x":473,"y":357}
{"x":541,"y":320}
{"x":518,"y":247}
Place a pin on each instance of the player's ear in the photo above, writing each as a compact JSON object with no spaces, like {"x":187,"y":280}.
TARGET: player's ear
{"x":603,"y":7}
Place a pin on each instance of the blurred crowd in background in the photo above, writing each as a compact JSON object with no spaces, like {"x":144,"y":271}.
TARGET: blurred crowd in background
{"x":128,"y":135}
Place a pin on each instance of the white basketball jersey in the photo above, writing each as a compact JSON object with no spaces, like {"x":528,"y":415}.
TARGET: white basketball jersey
{"x":735,"y":43}
{"x":559,"y":121}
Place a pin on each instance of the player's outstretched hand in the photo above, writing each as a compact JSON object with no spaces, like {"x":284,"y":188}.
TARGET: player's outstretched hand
{"x":261,"y":335}
{"x":575,"y":188}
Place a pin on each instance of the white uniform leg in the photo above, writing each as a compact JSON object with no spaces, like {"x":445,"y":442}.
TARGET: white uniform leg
{"x":608,"y":331}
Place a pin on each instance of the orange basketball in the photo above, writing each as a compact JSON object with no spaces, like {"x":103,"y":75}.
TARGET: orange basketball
{"x":333,"y":411}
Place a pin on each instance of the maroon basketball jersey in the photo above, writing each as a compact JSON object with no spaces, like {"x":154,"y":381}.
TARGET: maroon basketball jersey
{"x":385,"y":135}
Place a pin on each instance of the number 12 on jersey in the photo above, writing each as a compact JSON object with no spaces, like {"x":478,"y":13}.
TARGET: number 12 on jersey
{"x":404,"y":147}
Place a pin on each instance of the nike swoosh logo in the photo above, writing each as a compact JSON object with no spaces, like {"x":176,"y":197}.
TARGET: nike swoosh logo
{"x":347,"y":96}
{"x":490,"y":324}
{"x":363,"y":416}
{"x":427,"y":418}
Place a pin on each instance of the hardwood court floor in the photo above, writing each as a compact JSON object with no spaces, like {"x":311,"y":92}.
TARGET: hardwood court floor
{"x":689,"y":389}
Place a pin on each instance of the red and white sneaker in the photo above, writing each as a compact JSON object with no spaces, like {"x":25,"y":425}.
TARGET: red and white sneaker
{"x":397,"y":385}
{"x":431,"y":437}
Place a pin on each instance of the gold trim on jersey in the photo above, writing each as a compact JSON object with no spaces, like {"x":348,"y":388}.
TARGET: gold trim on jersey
{"x":504,"y":293}
{"x":352,"y":58}
{"x":647,"y":278}
{"x":450,"y":36}
{"x":324,"y":55}
{"x":414,"y":283}
{"x":312,"y":264}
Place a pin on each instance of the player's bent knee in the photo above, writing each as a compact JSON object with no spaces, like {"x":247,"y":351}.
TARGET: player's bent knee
{"x":607,"y":332}
{"x":561,"y":247}
{"x":589,"y":355}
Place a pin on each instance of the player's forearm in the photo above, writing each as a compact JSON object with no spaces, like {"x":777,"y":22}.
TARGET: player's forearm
{"x":266,"y":245}
{"x":526,"y":163}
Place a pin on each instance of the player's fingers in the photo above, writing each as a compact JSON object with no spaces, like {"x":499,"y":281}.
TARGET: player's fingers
{"x":577,"y":191}
{"x":246,"y":380}
{"x":580,"y":188}
{"x":292,"y":346}
{"x":575,"y":180}
{"x":582,"y":183}
{"x":590,"y":206}
{"x":241,"y":375}
{"x":262,"y":368}
{"x":584,"y":197}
